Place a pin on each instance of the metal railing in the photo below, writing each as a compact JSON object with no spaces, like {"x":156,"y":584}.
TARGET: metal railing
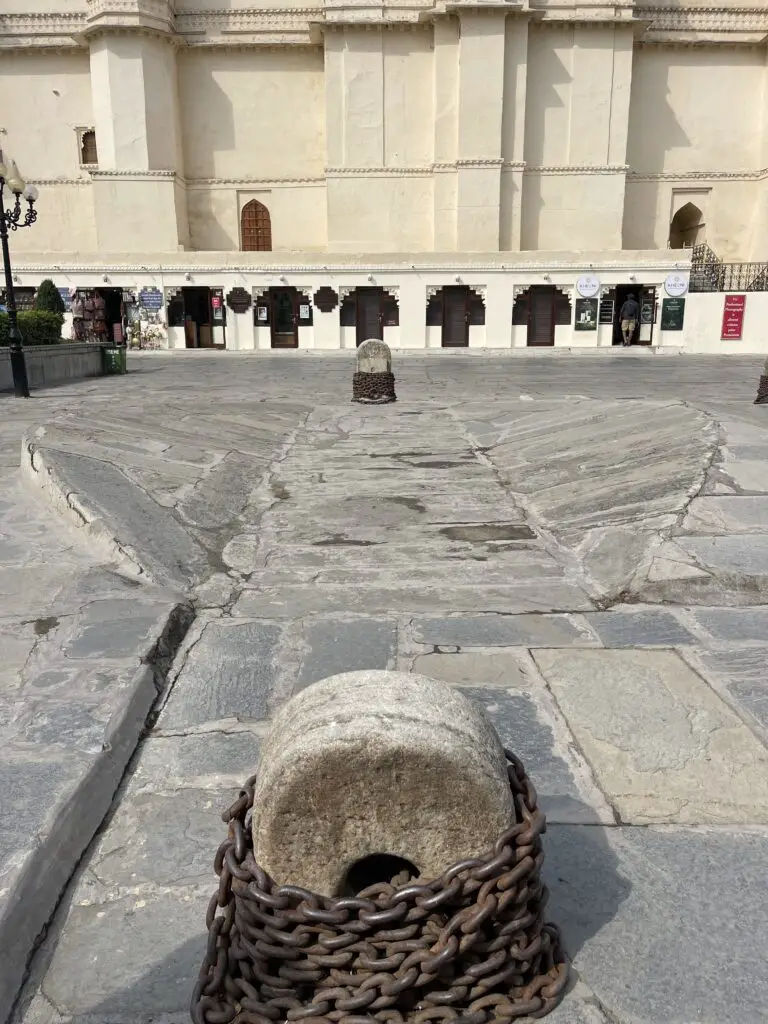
{"x":709,"y":274}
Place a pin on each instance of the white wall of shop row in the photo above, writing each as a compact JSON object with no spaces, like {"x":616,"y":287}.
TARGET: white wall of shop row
{"x":489,"y":307}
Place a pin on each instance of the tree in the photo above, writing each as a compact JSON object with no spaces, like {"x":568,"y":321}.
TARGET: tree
{"x":48,"y":298}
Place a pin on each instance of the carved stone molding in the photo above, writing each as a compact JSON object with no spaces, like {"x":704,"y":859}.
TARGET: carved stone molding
{"x":345,"y":291}
{"x":432,"y":290}
{"x":257,"y":183}
{"x":106,"y":175}
{"x":554,"y":169}
{"x":378,"y":172}
{"x":259,"y":292}
{"x":153,"y":15}
{"x":238,"y":300}
{"x":758,"y":175}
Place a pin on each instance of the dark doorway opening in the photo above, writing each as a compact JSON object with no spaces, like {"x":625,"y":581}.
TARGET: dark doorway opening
{"x":686,"y":228}
{"x":284,"y":317}
{"x":369,"y":311}
{"x":113,"y":313}
{"x":191,"y":309}
{"x":646,"y":300}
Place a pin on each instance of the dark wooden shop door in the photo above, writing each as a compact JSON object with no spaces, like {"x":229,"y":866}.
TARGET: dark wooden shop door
{"x":541,"y":315}
{"x":455,"y":317}
{"x":370,"y":320}
{"x":285,"y":317}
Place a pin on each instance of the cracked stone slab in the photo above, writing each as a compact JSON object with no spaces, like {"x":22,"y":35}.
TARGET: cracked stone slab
{"x":206,"y":760}
{"x":122,"y":514}
{"x":663,"y":746}
{"x":338,"y":646}
{"x":721,"y":515}
{"x":504,"y":631}
{"x":650,"y":627}
{"x":140,"y":953}
{"x":733,"y":625}
{"x":645,"y":913}
{"x":743,"y":673}
{"x":229,"y":673}
{"x":162,"y":839}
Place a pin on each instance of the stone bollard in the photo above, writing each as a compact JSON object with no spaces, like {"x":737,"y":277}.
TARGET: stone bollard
{"x":384,"y":865}
{"x":373,"y":382}
{"x":762,"y":387}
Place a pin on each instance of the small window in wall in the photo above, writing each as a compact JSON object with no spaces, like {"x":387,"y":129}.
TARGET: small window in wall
{"x":89,"y":154}
{"x":255,"y":228}
{"x":687,"y":227}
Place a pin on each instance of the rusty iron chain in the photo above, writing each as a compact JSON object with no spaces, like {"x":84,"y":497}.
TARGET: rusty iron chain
{"x":471,"y":946}
{"x":373,"y":387}
{"x":762,"y":391}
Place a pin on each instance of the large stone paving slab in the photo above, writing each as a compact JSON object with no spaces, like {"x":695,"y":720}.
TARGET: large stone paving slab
{"x":664,"y":747}
{"x":666,"y":926}
{"x":229,"y":673}
{"x":504,"y":631}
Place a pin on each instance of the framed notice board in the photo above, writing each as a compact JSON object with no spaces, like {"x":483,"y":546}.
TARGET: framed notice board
{"x":586,"y":315}
{"x":672,"y":314}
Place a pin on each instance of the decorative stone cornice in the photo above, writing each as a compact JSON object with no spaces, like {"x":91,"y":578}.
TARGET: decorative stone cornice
{"x":758,"y":175}
{"x":251,"y":183}
{"x":152,"y":15}
{"x":665,"y":22}
{"x":378,"y":172}
{"x":107,"y":175}
{"x":578,"y":169}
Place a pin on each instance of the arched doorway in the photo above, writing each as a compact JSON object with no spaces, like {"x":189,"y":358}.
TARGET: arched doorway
{"x":255,"y":228}
{"x":686,"y":228}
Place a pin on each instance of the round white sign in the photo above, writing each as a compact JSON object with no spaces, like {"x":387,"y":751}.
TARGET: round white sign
{"x":588,"y":286}
{"x":676,"y":285}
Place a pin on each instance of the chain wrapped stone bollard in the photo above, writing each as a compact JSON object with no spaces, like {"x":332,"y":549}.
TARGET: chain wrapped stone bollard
{"x":374,"y":383}
{"x":383,"y":866}
{"x":762,"y":387}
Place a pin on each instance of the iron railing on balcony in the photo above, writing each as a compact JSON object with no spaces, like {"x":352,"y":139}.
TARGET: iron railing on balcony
{"x":709,"y":274}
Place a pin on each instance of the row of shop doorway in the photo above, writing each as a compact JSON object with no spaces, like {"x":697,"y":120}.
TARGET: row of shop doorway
{"x":365,"y":313}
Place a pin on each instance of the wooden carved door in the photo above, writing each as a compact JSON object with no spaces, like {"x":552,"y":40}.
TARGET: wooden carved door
{"x":370,"y":320}
{"x":541,"y":315}
{"x":455,"y":317}
{"x":285,"y":318}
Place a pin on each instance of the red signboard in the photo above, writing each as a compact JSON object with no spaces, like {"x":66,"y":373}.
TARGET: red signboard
{"x":216,"y":301}
{"x":733,"y":318}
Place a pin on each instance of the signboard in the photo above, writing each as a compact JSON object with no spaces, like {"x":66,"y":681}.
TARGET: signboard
{"x":66,"y":298}
{"x":676,"y":285}
{"x":588,"y":286}
{"x":303,"y":312}
{"x":646,"y":312}
{"x":606,"y":311}
{"x":151,"y":298}
{"x":672,"y":314}
{"x":733,"y":317}
{"x":586,"y":315}
{"x":262,"y":314}
{"x":217,"y":307}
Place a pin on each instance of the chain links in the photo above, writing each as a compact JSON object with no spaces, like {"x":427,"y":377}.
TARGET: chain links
{"x":373,"y":387}
{"x":470,"y":946}
{"x":762,"y":391}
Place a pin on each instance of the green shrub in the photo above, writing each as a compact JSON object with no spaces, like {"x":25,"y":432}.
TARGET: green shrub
{"x":36,"y":327}
{"x":48,"y":299}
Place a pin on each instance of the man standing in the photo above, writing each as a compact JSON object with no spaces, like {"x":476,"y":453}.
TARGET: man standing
{"x":628,"y":317}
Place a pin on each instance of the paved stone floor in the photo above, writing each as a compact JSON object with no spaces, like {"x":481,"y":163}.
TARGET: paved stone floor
{"x":579,"y":543}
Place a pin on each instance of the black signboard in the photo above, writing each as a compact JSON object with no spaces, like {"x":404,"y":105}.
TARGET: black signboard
{"x":66,"y":298}
{"x":586,"y":315}
{"x":672,"y":314}
{"x":151,"y":298}
{"x":239,"y":300}
{"x":646,"y":312}
{"x":606,"y":311}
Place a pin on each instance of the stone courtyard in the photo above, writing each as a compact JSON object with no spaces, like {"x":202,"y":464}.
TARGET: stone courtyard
{"x":580,"y":544}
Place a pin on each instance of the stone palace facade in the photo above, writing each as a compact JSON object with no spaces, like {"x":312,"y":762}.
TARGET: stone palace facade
{"x":442,"y":172}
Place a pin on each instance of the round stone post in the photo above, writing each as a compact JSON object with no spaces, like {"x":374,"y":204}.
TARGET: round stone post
{"x":373,"y":383}
{"x":384,"y":865}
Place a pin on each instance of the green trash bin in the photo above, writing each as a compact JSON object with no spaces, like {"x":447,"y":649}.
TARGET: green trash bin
{"x":114,"y":359}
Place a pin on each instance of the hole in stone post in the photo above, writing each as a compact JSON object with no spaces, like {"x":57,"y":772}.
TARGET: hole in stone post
{"x":378,"y":867}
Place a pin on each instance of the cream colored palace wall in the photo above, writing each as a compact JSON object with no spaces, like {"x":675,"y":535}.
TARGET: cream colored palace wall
{"x":255,"y":113}
{"x":44,"y":98}
{"x":696,"y":110}
{"x":297,"y":212}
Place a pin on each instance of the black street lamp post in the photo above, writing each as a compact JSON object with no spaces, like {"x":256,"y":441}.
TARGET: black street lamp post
{"x":12,"y":220}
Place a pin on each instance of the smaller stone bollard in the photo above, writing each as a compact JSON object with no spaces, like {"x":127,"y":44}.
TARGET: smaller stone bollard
{"x":373,"y":383}
{"x":762,"y":387}
{"x":383,"y":866}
